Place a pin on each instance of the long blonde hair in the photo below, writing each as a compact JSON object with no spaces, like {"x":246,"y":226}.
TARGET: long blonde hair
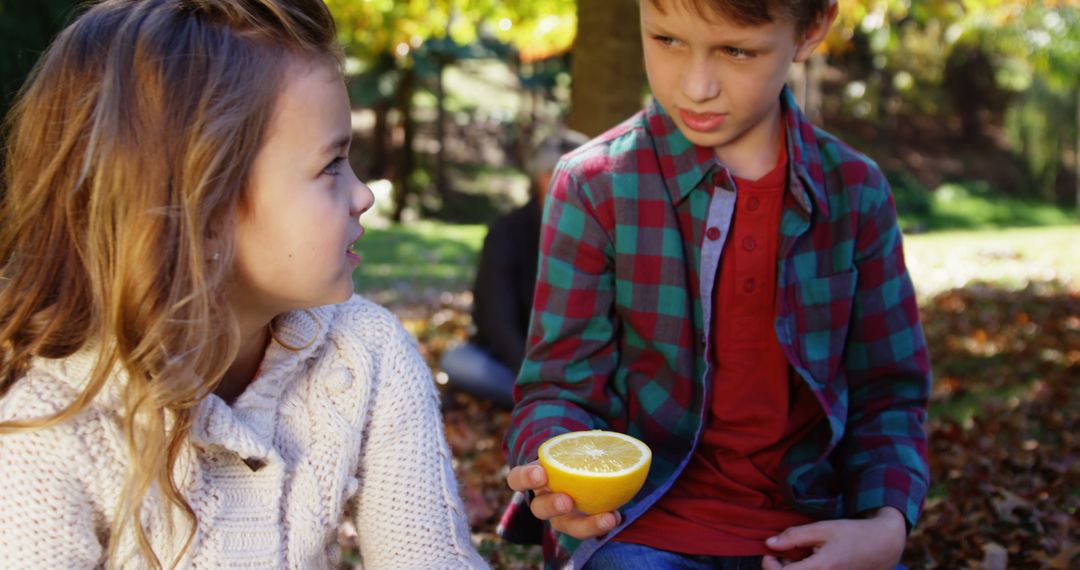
{"x":128,"y":154}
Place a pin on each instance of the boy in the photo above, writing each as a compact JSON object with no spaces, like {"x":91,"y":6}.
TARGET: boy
{"x":725,"y":282}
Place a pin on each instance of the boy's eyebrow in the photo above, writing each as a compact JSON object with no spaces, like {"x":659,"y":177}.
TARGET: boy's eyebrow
{"x":653,"y":28}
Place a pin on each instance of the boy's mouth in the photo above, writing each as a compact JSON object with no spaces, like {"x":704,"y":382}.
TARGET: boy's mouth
{"x":702,"y":122}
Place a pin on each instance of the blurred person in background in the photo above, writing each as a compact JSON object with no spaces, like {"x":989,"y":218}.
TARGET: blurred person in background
{"x":486,"y":366}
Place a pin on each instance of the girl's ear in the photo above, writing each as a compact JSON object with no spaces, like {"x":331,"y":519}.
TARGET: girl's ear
{"x":214,"y":241}
{"x":816,"y":32}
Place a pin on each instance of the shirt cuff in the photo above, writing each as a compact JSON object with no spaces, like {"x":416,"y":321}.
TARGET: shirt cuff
{"x":889,"y":487}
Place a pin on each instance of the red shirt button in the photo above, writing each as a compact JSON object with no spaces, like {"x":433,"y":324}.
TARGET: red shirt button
{"x":713,"y":234}
{"x":749,"y":285}
{"x":753,"y":204}
{"x":749,"y":243}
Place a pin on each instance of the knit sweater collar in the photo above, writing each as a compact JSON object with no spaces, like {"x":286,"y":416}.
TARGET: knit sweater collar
{"x":247,"y":426}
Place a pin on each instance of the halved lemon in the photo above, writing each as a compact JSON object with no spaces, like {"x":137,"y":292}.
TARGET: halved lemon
{"x":600,"y":470}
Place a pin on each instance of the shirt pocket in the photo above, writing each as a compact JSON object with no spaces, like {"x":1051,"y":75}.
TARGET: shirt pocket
{"x":823,"y":318}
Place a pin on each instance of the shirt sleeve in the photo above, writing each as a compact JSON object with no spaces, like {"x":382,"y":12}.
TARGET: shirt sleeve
{"x":408,"y":511}
{"x":571,"y":354}
{"x":46,"y":515}
{"x":884,"y":450}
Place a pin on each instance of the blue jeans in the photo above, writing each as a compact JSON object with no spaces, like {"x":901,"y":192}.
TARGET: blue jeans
{"x":625,"y":555}
{"x":473,"y":370}
{"x":620,"y":555}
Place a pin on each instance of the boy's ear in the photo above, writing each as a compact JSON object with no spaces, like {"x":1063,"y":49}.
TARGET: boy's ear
{"x":815,"y":32}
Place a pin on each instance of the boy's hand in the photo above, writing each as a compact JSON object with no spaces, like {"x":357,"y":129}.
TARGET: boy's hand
{"x":558,"y":508}
{"x":874,"y":543}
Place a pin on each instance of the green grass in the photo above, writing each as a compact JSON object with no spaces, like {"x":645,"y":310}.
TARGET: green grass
{"x":407,"y":259}
{"x":403,"y":261}
{"x":969,"y":205}
{"x":1009,"y":257}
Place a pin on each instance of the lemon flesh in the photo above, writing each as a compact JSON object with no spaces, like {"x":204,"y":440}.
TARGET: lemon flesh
{"x":600,"y":470}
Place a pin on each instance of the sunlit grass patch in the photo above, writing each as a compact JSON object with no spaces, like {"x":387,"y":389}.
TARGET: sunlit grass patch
{"x":404,"y":261}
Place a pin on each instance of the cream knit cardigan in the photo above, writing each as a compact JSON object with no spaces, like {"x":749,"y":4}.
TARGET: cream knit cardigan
{"x":346,"y":427}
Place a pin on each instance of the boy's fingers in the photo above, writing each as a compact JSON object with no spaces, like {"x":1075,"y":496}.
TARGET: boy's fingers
{"x":581,"y":526}
{"x":527,"y":477}
{"x":551,"y":505}
{"x":770,"y":563}
{"x":813,"y":534}
{"x":815,"y":562}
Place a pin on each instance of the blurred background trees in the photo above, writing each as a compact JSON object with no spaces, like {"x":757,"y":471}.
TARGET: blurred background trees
{"x":996,"y":77}
{"x":26,"y":28}
{"x":980,"y":93}
{"x":401,"y":49}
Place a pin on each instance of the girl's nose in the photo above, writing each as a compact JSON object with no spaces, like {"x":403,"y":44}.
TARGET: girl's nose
{"x":362,"y":199}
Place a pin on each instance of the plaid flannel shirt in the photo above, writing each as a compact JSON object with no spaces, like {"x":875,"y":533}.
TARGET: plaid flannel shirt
{"x":621,"y":318}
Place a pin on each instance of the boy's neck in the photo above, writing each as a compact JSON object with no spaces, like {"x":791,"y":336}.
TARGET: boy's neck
{"x":757,"y":156}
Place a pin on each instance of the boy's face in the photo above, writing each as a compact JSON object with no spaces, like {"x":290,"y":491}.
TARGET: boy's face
{"x":721,"y":81}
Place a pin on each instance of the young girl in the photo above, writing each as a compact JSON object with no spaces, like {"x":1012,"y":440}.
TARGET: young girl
{"x":186,"y":379}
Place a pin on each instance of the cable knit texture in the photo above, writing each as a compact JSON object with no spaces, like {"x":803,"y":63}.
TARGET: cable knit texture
{"x":348,"y":427}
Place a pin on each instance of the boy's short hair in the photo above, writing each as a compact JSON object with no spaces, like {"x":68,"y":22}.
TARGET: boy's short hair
{"x":754,"y":12}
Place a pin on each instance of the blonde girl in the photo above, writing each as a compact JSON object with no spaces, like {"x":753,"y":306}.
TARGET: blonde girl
{"x":186,"y":379}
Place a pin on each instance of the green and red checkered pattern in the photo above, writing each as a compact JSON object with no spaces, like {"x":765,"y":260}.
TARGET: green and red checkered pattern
{"x":617,"y":335}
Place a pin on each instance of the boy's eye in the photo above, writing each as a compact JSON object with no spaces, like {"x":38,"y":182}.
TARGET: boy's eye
{"x":738,"y":53}
{"x":666,"y":41}
{"x":334,"y":168}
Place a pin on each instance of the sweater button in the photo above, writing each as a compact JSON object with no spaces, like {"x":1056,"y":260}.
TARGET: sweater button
{"x":749,"y":285}
{"x":749,"y":243}
{"x":254,"y":463}
{"x":340,"y":380}
{"x":713,"y":233}
{"x":753,"y":204}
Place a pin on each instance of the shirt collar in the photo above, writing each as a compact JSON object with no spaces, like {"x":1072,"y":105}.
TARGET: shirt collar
{"x":804,"y":157}
{"x":680,"y":160}
{"x":687,"y":164}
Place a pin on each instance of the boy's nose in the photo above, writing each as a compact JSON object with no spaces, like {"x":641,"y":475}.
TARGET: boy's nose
{"x":698,"y":82}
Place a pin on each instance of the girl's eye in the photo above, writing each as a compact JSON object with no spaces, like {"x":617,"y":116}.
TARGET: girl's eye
{"x":738,"y":53}
{"x":334,"y":168}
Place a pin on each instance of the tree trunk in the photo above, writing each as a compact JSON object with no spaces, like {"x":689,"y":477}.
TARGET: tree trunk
{"x":381,"y":162}
{"x":379,"y":166}
{"x":812,"y":107}
{"x":526,"y":119}
{"x":805,"y":82}
{"x":607,"y":66}
{"x":1076,"y":159}
{"x":405,"y":163}
{"x":441,"y":185}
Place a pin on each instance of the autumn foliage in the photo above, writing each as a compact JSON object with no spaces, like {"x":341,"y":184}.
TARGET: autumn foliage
{"x":1004,"y":430}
